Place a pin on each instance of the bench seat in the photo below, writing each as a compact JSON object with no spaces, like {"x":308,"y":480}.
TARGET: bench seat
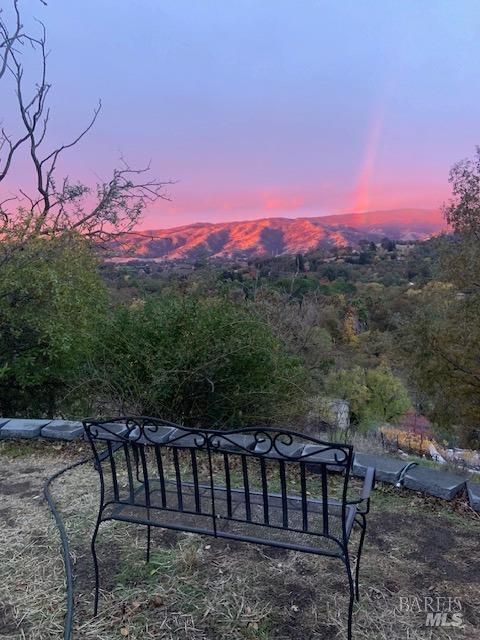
{"x":299,"y":529}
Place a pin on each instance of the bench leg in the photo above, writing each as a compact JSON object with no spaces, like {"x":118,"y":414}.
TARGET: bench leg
{"x":363,"y":526}
{"x":95,"y":566}
{"x":352,"y":594}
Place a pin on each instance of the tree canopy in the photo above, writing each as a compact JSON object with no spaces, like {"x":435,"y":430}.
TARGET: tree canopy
{"x":374,"y":395}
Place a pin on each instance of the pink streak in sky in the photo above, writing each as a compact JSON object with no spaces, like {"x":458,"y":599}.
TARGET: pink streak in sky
{"x":363,"y":191}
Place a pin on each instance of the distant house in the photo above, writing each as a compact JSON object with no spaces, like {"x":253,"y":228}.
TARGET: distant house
{"x":404,"y":250}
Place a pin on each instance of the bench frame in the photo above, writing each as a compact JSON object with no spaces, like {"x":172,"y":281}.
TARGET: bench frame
{"x":132,"y":437}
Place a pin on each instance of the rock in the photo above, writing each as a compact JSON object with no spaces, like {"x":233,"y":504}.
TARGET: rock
{"x":328,"y":412}
{"x":386,"y":469}
{"x":473,"y":489}
{"x":62,"y":430}
{"x":435,"y":483}
{"x":21,"y":428}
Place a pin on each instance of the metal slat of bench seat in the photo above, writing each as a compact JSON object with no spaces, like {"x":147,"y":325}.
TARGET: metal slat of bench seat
{"x":283,"y":486}
{"x":235,"y":526}
{"x":263,"y":472}
{"x":193,"y":457}
{"x":246,"y":485}
{"x":129,"y":472}
{"x":158,"y":457}
{"x":113,"y":469}
{"x":228,"y":485}
{"x":178,"y":479}
{"x":303,"y":481}
{"x":324,"y":498}
{"x":146,"y":480}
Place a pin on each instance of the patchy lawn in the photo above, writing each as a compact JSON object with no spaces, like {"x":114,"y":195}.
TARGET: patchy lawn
{"x":201,"y":588}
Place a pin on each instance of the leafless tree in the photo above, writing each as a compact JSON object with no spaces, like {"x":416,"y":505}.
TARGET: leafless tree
{"x":9,"y":38}
{"x":56,"y":206}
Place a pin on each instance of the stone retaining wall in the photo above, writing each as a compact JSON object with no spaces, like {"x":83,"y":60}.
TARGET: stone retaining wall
{"x":390,"y":470}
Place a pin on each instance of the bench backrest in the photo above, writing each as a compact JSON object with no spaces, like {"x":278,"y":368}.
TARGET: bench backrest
{"x":249,"y":475}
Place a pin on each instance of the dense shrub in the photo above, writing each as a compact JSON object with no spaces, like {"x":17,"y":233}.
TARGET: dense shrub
{"x":51,"y":299}
{"x":197,"y":360}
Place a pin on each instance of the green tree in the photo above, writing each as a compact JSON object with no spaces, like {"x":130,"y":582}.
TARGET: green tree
{"x":441,"y":340}
{"x":51,"y":299}
{"x":440,"y":345}
{"x":197,"y":360}
{"x":350,"y":385}
{"x":389,"y":398}
{"x":374,"y":395}
{"x":461,"y":252}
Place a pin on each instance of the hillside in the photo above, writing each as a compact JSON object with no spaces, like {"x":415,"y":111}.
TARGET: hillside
{"x":276,"y":236}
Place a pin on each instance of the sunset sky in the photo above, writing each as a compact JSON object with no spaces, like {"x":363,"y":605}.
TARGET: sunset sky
{"x":267,"y":107}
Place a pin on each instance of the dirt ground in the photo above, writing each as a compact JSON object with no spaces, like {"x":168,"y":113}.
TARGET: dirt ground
{"x":201,"y":588}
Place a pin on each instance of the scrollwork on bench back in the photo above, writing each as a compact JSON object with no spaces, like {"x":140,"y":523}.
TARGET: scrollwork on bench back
{"x":258,"y":441}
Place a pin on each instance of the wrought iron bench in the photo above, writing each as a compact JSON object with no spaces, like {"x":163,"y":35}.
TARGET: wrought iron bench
{"x":253,"y":485}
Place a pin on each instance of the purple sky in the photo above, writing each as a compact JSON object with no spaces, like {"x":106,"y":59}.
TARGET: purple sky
{"x":267,"y":107}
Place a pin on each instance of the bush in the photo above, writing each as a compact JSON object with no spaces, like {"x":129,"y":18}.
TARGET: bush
{"x":201,"y":361}
{"x":51,"y":298}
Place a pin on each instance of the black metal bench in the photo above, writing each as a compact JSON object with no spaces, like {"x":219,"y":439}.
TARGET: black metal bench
{"x":253,"y":485}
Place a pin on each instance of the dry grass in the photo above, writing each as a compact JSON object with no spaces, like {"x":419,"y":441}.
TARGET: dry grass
{"x":202,"y":588}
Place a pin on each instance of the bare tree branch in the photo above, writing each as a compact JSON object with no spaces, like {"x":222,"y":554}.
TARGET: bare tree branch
{"x":7,"y":39}
{"x":60,"y":206}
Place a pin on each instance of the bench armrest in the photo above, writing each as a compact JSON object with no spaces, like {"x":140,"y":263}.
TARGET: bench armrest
{"x":368,"y":485}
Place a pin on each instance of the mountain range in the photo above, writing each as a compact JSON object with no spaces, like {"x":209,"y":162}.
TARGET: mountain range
{"x":277,"y":236}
